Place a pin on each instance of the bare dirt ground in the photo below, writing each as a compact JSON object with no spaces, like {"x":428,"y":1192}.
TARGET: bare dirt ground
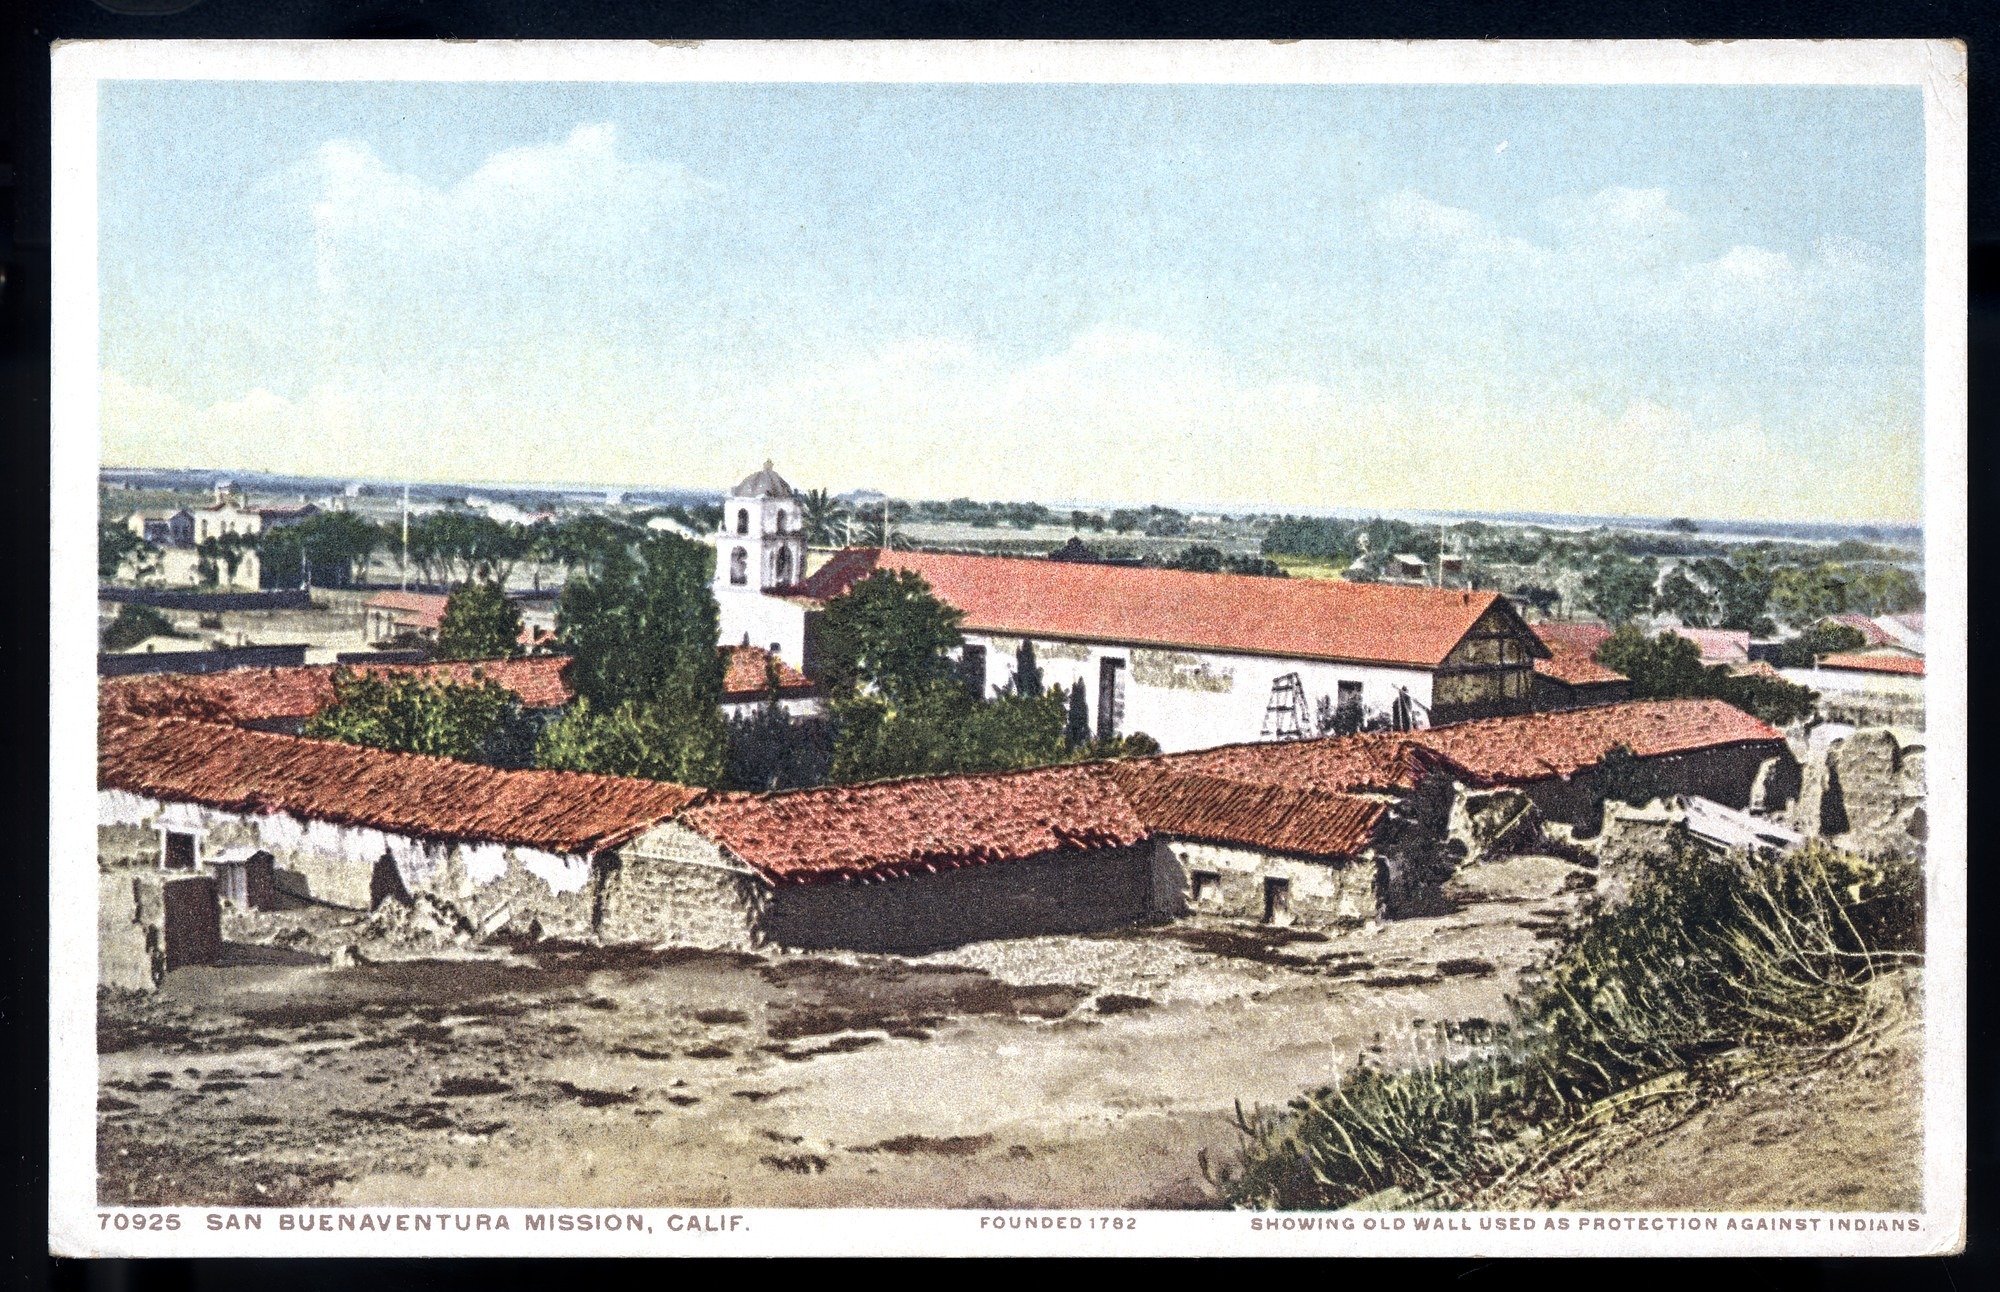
{"x":1841,"y":1134}
{"x":1072,"y":1071}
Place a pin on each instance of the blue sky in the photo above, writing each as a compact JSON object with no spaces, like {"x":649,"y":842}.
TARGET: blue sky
{"x":1600,"y":299}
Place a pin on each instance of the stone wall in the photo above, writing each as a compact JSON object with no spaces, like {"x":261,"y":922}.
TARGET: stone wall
{"x":1732,"y":776}
{"x":336,"y":865}
{"x":1321,"y":894}
{"x":1866,"y":792}
{"x":1049,"y":893}
{"x":673,"y":885}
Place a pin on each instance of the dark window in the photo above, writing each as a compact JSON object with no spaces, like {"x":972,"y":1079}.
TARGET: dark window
{"x":179,"y":853}
{"x":739,"y":566}
{"x":1110,"y":697}
{"x":742,"y":522}
{"x":1207,"y":885}
{"x":784,"y":561}
{"x":781,"y":522}
{"x":1277,"y":901}
{"x":1349,"y":693}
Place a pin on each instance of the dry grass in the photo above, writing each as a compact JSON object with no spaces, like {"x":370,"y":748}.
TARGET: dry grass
{"x":1713,"y":968}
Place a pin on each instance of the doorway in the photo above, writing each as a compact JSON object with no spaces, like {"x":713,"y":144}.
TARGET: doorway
{"x":1277,"y":901}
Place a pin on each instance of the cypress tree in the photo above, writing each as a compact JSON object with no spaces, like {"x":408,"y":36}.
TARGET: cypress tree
{"x":1027,"y":673}
{"x":1077,"y":733}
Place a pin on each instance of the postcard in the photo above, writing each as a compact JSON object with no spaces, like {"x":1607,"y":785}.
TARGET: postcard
{"x":1057,"y":648}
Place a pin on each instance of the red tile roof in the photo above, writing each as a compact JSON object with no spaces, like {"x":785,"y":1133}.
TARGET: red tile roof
{"x":1572,"y":647}
{"x":744,"y":677}
{"x":246,"y":695}
{"x":1718,"y":645}
{"x":904,"y":827}
{"x":1288,"y":618}
{"x":1487,"y":751}
{"x":423,"y":609}
{"x":1906,"y":665}
{"x":1757,"y":668}
{"x":1872,"y":633}
{"x":1219,"y":810}
{"x":236,"y":770}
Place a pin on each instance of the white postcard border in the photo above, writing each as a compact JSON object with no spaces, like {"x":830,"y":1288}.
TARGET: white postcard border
{"x":78,"y":1227}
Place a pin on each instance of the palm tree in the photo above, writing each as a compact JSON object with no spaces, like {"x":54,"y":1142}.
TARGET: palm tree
{"x":825,"y":518}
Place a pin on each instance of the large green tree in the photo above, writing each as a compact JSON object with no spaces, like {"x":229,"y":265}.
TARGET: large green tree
{"x":1620,"y":587}
{"x":480,"y":721}
{"x":479,"y":623}
{"x":323,"y":550}
{"x":824,"y":518}
{"x":1669,"y":667}
{"x":641,"y":624}
{"x":888,"y":634}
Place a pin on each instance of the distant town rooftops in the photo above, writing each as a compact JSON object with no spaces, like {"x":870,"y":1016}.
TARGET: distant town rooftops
{"x":1572,"y":650}
{"x":264,"y":695}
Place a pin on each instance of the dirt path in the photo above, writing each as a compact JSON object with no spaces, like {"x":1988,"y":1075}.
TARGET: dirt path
{"x":1072,"y":1071}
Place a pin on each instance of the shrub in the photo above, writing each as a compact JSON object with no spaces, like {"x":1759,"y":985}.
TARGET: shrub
{"x":134,"y":624}
{"x":1710,"y":955}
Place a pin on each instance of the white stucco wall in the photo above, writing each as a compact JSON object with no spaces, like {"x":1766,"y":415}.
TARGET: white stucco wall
{"x":1843,"y":681}
{"x":1192,"y":699}
{"x":773,"y":623}
{"x":810,"y":706}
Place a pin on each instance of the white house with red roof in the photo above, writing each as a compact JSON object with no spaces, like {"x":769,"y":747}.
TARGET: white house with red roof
{"x":1192,"y":660}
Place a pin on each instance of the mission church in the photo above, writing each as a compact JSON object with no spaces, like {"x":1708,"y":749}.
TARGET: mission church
{"x":1192,"y":660}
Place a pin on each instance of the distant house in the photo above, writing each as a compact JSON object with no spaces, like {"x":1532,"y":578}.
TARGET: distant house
{"x":1724,"y":646}
{"x":165,"y":528}
{"x":1897,"y":634}
{"x":387,"y":616}
{"x":1883,"y":673}
{"x":746,"y":684}
{"x":229,"y":515}
{"x":1571,"y":676}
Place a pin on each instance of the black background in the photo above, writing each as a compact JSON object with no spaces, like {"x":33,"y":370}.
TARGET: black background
{"x":24,"y":319}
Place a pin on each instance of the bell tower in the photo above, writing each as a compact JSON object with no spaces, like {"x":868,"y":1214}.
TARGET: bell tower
{"x":760,"y":547}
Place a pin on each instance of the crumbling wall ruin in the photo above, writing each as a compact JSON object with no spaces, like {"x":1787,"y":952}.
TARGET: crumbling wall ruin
{"x":1866,"y":793}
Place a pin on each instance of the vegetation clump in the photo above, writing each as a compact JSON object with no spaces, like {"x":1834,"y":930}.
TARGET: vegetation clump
{"x":1713,"y":965}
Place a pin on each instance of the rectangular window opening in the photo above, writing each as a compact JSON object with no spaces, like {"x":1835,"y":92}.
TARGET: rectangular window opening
{"x":1206,"y":885}
{"x":178,"y":851}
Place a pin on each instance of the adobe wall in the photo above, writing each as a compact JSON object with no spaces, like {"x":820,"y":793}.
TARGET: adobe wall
{"x":1323,"y":894}
{"x":673,"y":885}
{"x":1866,"y":792}
{"x":335,"y":864}
{"x":1049,"y":893}
{"x":1728,"y":776}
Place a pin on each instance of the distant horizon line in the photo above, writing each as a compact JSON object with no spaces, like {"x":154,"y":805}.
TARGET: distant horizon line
{"x":1517,"y":515}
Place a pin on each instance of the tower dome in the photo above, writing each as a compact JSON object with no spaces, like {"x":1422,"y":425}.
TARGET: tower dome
{"x":763,"y":484}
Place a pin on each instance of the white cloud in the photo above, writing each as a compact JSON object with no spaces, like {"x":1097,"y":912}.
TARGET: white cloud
{"x":553,"y":208}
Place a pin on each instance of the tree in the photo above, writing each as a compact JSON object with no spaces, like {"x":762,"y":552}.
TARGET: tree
{"x":642,"y":628}
{"x":1887,"y":591}
{"x":1669,"y":667}
{"x":1806,"y":649}
{"x":412,"y":713}
{"x":1124,"y":522}
{"x":678,"y":735}
{"x":824,"y":518}
{"x":118,"y":547}
{"x":1801,"y":594}
{"x":1686,"y":600}
{"x":1027,"y":672}
{"x":1619,"y":587}
{"x":133,"y":624}
{"x":479,"y":623}
{"x":1682,"y":525}
{"x":1741,"y":592}
{"x":888,"y":634}
{"x":322,"y":550}
{"x":1076,"y":729}
{"x":770,"y":749}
